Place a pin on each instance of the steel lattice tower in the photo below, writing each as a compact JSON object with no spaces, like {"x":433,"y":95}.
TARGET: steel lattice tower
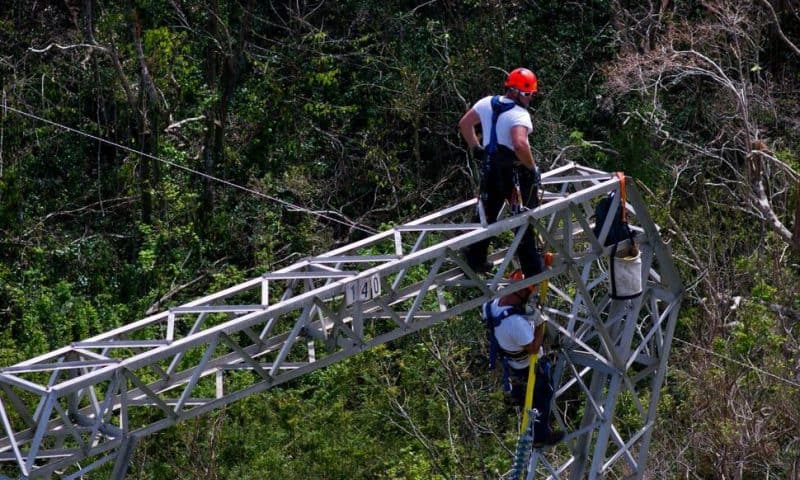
{"x":75,"y":404}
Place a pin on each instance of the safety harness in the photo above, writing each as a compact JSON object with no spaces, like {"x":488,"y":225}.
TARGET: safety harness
{"x":492,"y":322}
{"x":492,"y":148}
{"x":498,"y":107}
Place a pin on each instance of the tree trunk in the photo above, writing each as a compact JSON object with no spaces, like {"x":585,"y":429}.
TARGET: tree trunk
{"x":223,"y":70}
{"x":796,"y":231}
{"x":148,"y":116}
{"x":207,"y":196}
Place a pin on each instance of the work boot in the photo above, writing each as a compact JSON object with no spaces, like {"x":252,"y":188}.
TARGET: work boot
{"x":553,"y":438}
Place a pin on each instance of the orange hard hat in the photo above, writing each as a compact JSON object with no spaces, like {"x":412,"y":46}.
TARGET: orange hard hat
{"x":523,"y":80}
{"x":517,"y":275}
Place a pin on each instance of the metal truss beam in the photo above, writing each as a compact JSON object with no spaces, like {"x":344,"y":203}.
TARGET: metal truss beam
{"x":75,"y":404}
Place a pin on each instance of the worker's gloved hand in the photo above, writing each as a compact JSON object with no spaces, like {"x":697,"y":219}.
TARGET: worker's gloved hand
{"x":537,"y":176}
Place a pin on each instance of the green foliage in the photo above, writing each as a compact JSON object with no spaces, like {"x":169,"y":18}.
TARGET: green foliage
{"x":349,"y":108}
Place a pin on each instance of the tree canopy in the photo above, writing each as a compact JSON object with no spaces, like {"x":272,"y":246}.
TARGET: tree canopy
{"x":152,"y":151}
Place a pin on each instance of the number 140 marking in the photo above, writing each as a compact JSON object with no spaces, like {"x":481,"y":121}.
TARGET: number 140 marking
{"x":363,"y":289}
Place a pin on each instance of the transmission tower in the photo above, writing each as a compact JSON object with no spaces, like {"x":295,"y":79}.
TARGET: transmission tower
{"x":70,"y":411}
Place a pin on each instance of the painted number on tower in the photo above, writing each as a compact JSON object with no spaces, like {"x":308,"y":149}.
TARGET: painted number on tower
{"x":363,"y":289}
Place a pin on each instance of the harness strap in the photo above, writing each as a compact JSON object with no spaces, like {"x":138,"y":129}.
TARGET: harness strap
{"x":498,"y":107}
{"x":623,"y":196}
{"x":492,"y":322}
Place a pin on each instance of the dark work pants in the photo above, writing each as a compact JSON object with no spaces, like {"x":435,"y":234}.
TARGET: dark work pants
{"x":499,"y":186}
{"x":542,"y":394}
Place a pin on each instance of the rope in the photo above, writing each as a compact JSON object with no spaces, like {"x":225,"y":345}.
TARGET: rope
{"x":288,"y":205}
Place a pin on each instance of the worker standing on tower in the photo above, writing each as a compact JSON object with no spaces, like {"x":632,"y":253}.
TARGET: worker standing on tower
{"x":508,"y":170}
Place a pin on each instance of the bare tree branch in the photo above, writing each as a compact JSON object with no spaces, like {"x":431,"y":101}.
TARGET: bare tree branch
{"x":777,"y":23}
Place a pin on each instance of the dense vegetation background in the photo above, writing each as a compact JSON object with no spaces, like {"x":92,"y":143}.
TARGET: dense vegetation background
{"x":348,"y":109}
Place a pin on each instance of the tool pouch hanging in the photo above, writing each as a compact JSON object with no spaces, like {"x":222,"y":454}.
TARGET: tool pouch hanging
{"x":625,"y":273}
{"x":625,"y":261}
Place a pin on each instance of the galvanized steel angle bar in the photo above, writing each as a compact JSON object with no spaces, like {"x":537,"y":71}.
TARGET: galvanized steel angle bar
{"x":365,"y":242}
{"x":178,"y":356}
{"x":660,"y":372}
{"x":512,"y":250}
{"x":537,"y":457}
{"x":244,"y":356}
{"x":603,"y":334}
{"x":438,"y":227}
{"x":270,"y":324}
{"x":60,"y":459}
{"x":50,"y":367}
{"x":591,"y":400}
{"x":96,"y":356}
{"x":457,"y":208}
{"x":426,"y":284}
{"x":402,"y":273}
{"x":198,"y":371}
{"x":42,"y":419}
{"x":604,"y":432}
{"x":624,"y":449}
{"x":635,"y":465}
{"x":645,"y":339}
{"x":630,"y":385}
{"x":249,"y":333}
{"x":441,"y":298}
{"x":390,"y":312}
{"x":649,"y":369}
{"x":104,"y":413}
{"x":398,"y":242}
{"x":575,"y":380}
{"x":114,"y":344}
{"x":575,"y":180}
{"x":148,"y":393}
{"x":580,"y":285}
{"x":124,"y":404}
{"x":591,"y":359}
{"x":357,"y":321}
{"x":91,"y":467}
{"x":123,"y":455}
{"x":555,"y":290}
{"x":66,"y":422}
{"x":319,"y":274}
{"x":377,"y":259}
{"x":578,"y":212}
{"x":23,"y":384}
{"x":12,"y":440}
{"x":469,"y":272}
{"x":19,"y":406}
{"x":292,"y":337}
{"x":339,"y":326}
{"x":324,"y":318}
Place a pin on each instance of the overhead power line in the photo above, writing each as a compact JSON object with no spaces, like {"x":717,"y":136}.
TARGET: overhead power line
{"x":288,"y":205}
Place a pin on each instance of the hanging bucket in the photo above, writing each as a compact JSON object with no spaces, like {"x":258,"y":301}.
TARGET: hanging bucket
{"x":625,"y":275}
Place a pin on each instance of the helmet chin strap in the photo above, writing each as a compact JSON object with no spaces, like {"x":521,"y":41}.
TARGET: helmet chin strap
{"x":516,"y":97}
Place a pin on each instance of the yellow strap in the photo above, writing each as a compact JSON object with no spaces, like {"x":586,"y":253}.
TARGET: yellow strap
{"x":548,"y":262}
{"x":529,"y":392}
